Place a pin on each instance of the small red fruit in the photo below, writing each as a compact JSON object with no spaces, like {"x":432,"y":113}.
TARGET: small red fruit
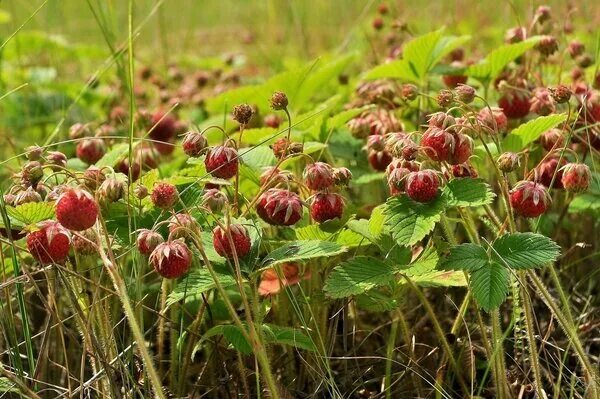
{"x":514,"y":105}
{"x":164,"y":127}
{"x":194,"y":144}
{"x":76,"y":209}
{"x":438,"y":143}
{"x":529,"y":199}
{"x":90,"y":150}
{"x":464,"y":170}
{"x":422,"y":186}
{"x":318,"y":176}
{"x":147,"y":240}
{"x":164,"y":195}
{"x":171,"y":259}
{"x":495,"y":120}
{"x":49,"y":244}
{"x":239,"y":236}
{"x":84,"y":243}
{"x":181,"y":225}
{"x":546,"y":170}
{"x":279,"y":207}
{"x":576,"y":177}
{"x":379,"y":160}
{"x":326,"y":206}
{"x":552,"y":139}
{"x":222,"y":162}
{"x":462,"y":150}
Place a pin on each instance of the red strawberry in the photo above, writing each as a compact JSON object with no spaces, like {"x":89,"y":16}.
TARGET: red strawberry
{"x":147,"y":240}
{"x":576,"y":177}
{"x":542,"y":102}
{"x":376,"y":142}
{"x":396,"y":173}
{"x":273,"y":176}
{"x":279,"y":207}
{"x":164,"y":127}
{"x":49,"y":244}
{"x":546,"y":170}
{"x":93,"y":177}
{"x":171,"y":259}
{"x":136,"y":169}
{"x":240,"y":238}
{"x":76,"y":209}
{"x":181,"y":225}
{"x":441,"y":120}
{"x":495,"y":120}
{"x":282,"y":147}
{"x":164,"y":195}
{"x":379,"y":160}
{"x":552,"y":139}
{"x":341,"y":176}
{"x":222,"y":162}
{"x":464,"y":170}
{"x":272,"y":121}
{"x":90,"y":150}
{"x":529,"y":199}
{"x":326,"y":206}
{"x":514,"y":105}
{"x":452,"y":81}
{"x":318,"y":176}
{"x":462,"y":150}
{"x":438,"y":143}
{"x":422,"y":186}
{"x":194,"y":144}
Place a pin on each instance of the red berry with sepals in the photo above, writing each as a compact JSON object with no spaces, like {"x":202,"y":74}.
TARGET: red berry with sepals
{"x":464,"y":170}
{"x":49,"y":244}
{"x":182,"y":225}
{"x":529,"y":199}
{"x":379,"y":160}
{"x":326,"y":206}
{"x":194,"y":144}
{"x":164,"y":195}
{"x":147,"y":241}
{"x":422,"y":186}
{"x":318,"y":176}
{"x":164,"y":127}
{"x":552,"y":139}
{"x":222,"y":162}
{"x":462,"y":150}
{"x":240,"y":238}
{"x":171,"y":259}
{"x":547,"y":169}
{"x":90,"y":150}
{"x":514,"y":105}
{"x":76,"y":209}
{"x":438,"y":143}
{"x":279,"y":207}
{"x":576,"y":177}
{"x":493,"y":119}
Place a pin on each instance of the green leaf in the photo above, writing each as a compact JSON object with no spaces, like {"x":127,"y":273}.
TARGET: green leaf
{"x":288,"y":336}
{"x":530,"y":131}
{"x":525,"y":250}
{"x":469,"y":257}
{"x":116,"y":154}
{"x":409,"y":221}
{"x":258,"y":157}
{"x":497,"y":59}
{"x":419,"y":56}
{"x":368,"y":178}
{"x":376,"y":301}
{"x":489,"y":285}
{"x":586,"y":202}
{"x":358,"y":275}
{"x":232,"y":334}
{"x":197,"y":282}
{"x":424,"y":272}
{"x":298,"y":251}
{"x":346,"y":237}
{"x":31,"y":212}
{"x":468,"y":192}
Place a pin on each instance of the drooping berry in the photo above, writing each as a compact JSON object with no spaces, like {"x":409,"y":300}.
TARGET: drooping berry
{"x":326,"y":206}
{"x":214,"y":199}
{"x":341,"y":176}
{"x":422,"y":186}
{"x":546,"y":171}
{"x":529,"y":199}
{"x":93,"y":177}
{"x":462,"y":149}
{"x":49,"y":244}
{"x":194,"y":144}
{"x":111,"y":190}
{"x":181,"y":225}
{"x":171,"y":259}
{"x":242,"y":113}
{"x":464,"y":170}
{"x":515,"y":105}
{"x":279,"y":207}
{"x":90,"y":150}
{"x":508,"y":162}
{"x":222,"y":162}
{"x":147,"y":240}
{"x":164,"y":195}
{"x":576,"y":177}
{"x":494,"y":120}
{"x":552,"y":139}
{"x":438,"y":144}
{"x":26,"y":196}
{"x":318,"y":176}
{"x":542,"y":102}
{"x":396,"y":173}
{"x":76,"y":209}
{"x":240,"y":238}
{"x":379,"y":160}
